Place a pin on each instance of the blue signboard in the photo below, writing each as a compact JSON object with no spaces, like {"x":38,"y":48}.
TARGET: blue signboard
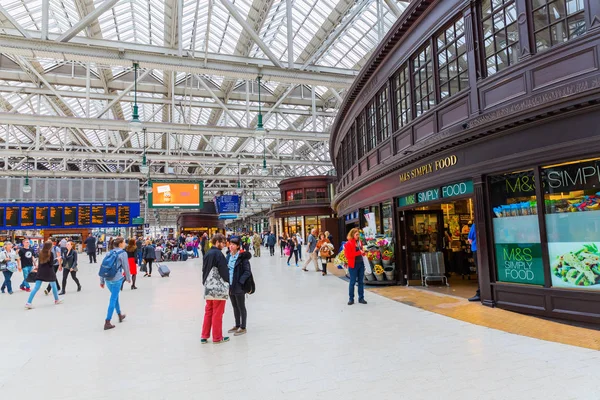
{"x":67,"y":215}
{"x":228,"y":216}
{"x":228,"y":204}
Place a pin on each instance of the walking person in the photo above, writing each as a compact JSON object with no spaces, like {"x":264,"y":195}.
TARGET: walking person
{"x":131,"y":251}
{"x":45,"y":273}
{"x":26,"y":263}
{"x":300,"y":243}
{"x":203,"y":244}
{"x":472,"y":238}
{"x":293,"y":245}
{"x":214,"y":309}
{"x":271,"y":241}
{"x":256,"y":242}
{"x":8,"y":265}
{"x":323,"y":246}
{"x":354,"y":253}
{"x":282,"y":243}
{"x":311,"y":249}
{"x":69,"y":266}
{"x":195,"y":244}
{"x":90,"y":248}
{"x":149,"y":255}
{"x":113,"y":266}
{"x":139,"y":244}
{"x":239,"y":271}
{"x":57,"y":264}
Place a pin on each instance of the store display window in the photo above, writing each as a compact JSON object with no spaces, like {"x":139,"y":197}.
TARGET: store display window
{"x":572,"y":205}
{"x":387,"y":219}
{"x":294,"y":195}
{"x":517,"y":242}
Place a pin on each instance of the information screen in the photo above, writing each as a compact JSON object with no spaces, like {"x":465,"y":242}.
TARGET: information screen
{"x":169,"y":194}
{"x":124,"y":215}
{"x":70,"y":215}
{"x":41,"y":216}
{"x":84,"y":215}
{"x":111,"y":215}
{"x":228,"y":204}
{"x":56,"y":216}
{"x":27,"y":216}
{"x":12,"y":216}
{"x":97,"y":215}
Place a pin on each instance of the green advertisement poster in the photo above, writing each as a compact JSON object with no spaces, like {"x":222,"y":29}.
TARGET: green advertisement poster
{"x":520,"y":263}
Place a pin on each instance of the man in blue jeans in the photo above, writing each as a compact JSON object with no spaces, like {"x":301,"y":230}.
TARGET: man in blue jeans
{"x":26,"y":262}
{"x":114,"y":284}
{"x":473,"y":240}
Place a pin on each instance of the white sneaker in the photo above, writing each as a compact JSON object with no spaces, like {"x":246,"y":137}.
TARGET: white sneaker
{"x":57,"y":302}
{"x":28,"y":306}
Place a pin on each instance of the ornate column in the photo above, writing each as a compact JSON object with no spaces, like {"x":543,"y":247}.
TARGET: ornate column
{"x":484,"y":242}
{"x":524,"y":21}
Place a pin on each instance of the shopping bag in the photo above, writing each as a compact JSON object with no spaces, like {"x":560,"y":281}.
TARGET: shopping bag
{"x":215,"y":287}
{"x":287,"y":251}
{"x":367,"y":263}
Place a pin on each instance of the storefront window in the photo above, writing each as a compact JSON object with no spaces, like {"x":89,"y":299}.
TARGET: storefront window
{"x":294,"y":195}
{"x":316,"y":193}
{"x":311,"y":223}
{"x":388,"y":226}
{"x":572,"y":204}
{"x":516,"y":229}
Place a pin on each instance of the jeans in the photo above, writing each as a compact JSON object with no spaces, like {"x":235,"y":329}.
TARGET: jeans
{"x":38,"y":285}
{"x":195,"y":250}
{"x":282,"y":249}
{"x":213,"y":319}
{"x":92,"y":257}
{"x":139,"y":258}
{"x":357,"y":273}
{"x":238,"y":301}
{"x":26,"y":271}
{"x":66,"y":272}
{"x":295,"y":254}
{"x":149,"y":265}
{"x":312,"y":258}
{"x":300,"y":252}
{"x":114,"y":288}
{"x":272,"y":250}
{"x":7,"y":283}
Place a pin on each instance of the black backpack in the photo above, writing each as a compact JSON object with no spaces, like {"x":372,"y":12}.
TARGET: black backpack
{"x":249,"y":287}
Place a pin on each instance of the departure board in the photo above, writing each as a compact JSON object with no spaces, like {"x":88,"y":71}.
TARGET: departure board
{"x":84,"y":215}
{"x":111,"y":215}
{"x":41,"y":216}
{"x":70,"y":215}
{"x":27,"y":216}
{"x":56,"y":216}
{"x":97,"y":215}
{"x":12,"y":216}
{"x":124,"y":215}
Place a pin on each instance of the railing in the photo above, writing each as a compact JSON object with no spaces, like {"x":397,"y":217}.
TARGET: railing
{"x":319,"y":200}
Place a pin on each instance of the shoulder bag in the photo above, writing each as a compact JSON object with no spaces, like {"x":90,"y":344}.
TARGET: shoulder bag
{"x":215,"y":287}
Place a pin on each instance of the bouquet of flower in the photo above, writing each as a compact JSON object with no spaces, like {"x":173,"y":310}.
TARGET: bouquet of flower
{"x":341,"y":259}
{"x":378,"y":269}
{"x":382,"y":243}
{"x":374,"y":255}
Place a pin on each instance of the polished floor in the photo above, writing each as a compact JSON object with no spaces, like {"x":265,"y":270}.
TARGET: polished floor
{"x":303,"y":342}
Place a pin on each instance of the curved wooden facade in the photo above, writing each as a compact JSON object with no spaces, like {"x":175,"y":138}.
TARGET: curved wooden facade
{"x":523,"y":94}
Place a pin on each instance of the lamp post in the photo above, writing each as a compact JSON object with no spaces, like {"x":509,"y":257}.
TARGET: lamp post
{"x":135,"y":125}
{"x":144,"y":168}
{"x":27,"y":186}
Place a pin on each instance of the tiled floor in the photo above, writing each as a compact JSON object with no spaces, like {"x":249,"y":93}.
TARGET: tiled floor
{"x":303,"y":342}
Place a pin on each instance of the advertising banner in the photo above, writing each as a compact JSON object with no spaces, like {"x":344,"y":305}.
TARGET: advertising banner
{"x":176,"y":194}
{"x":520,"y":263}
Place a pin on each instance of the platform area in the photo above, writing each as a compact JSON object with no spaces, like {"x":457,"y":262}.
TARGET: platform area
{"x":303,"y":342}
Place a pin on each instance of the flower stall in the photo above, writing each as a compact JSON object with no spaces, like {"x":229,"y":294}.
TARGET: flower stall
{"x":380,"y":252}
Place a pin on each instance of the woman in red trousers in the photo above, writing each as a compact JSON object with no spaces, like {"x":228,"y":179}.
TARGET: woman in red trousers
{"x":131,"y":251}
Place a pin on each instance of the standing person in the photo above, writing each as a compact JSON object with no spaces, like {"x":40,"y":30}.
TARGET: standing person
{"x":324,"y":251}
{"x":271,"y":240}
{"x":214,"y":309}
{"x":195,"y":244}
{"x":90,"y":248}
{"x":26,"y":262}
{"x":203,"y":244}
{"x":311,"y":250}
{"x":293,"y":245}
{"x":354,"y":253}
{"x":8,"y":265}
{"x":115,"y":258}
{"x":300,"y":243}
{"x":239,"y":271}
{"x":282,"y":243}
{"x":256,"y":242}
{"x":149,"y":255}
{"x":473,"y":240}
{"x":45,"y":273}
{"x":57,"y":264}
{"x":131,"y":251}
{"x":63,"y":244}
{"x":69,"y":265}
{"x":139,"y":244}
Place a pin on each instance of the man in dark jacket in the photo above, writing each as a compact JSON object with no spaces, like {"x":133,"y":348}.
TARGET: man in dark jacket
{"x":271,"y":241}
{"x":238,"y":264}
{"x":213,"y":312}
{"x":139,"y":244}
{"x":90,"y":248}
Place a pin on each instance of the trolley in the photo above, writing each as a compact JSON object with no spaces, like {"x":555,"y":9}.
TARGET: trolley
{"x":433,"y":268}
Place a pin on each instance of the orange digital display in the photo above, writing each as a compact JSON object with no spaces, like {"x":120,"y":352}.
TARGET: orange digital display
{"x":176,"y":194}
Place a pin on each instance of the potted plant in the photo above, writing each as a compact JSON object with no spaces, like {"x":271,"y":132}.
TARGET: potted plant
{"x":379,"y":272}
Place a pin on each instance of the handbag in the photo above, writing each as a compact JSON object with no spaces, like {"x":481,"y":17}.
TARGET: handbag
{"x":215,"y":287}
{"x":32,"y":277}
{"x":143,"y":267}
{"x":287,"y":251}
{"x":368,"y":270}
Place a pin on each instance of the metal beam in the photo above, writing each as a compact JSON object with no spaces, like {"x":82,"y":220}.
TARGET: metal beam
{"x":123,"y":54}
{"x":123,"y":93}
{"x":290,"y":33}
{"x":158,"y":127}
{"x":14,"y":22}
{"x":257,"y":39}
{"x":45,"y":8}
{"x":216,"y":98}
{"x":88,"y":19}
{"x":393,"y":8}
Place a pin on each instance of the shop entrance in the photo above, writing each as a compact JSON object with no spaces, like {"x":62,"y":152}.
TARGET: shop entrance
{"x":440,"y":231}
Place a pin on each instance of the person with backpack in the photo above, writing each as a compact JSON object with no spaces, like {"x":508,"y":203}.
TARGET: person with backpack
{"x":8,"y":265}
{"x":44,"y":273}
{"x":214,"y":309}
{"x":149,"y":255}
{"x":114,"y":265}
{"x":239,"y":271}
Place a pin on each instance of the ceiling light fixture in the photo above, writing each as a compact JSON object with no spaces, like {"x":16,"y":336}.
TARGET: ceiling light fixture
{"x":27,"y":186}
{"x":135,"y":125}
{"x":144,"y":168}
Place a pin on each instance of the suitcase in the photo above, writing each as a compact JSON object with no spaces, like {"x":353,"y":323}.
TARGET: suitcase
{"x":184,"y":256}
{"x":174,"y":257}
{"x":163,"y":270}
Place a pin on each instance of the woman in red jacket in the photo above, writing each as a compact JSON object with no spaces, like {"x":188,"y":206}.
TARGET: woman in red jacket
{"x":356,"y":266}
